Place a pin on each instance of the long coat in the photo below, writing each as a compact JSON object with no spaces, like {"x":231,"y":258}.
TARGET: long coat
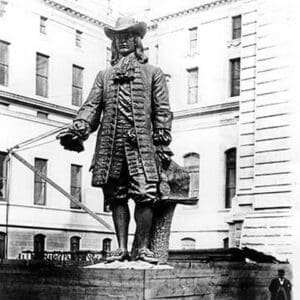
{"x":275,"y":284}
{"x":151,"y":111}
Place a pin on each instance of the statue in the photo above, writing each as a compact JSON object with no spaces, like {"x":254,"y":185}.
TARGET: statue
{"x":130,"y":105}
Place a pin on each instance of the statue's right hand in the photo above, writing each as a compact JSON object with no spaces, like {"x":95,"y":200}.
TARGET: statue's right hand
{"x":70,"y":140}
{"x":82,"y":129}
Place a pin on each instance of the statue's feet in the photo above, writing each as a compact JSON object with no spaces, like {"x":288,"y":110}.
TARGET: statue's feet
{"x":118,"y":255}
{"x":146,"y":255}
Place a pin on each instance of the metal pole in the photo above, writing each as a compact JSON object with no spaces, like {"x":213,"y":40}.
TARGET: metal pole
{"x":61,"y":190}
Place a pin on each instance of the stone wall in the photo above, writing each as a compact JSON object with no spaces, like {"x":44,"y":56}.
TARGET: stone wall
{"x":188,"y":280}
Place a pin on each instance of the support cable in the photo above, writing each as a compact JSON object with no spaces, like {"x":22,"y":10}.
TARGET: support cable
{"x":39,"y":137}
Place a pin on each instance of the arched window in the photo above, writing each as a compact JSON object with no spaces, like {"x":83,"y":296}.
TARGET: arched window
{"x":2,"y":245}
{"x":39,"y":246}
{"x":226,"y":243}
{"x":75,"y":243}
{"x":106,"y":245}
{"x":191,"y":163}
{"x":230,"y":185}
{"x":188,"y":243}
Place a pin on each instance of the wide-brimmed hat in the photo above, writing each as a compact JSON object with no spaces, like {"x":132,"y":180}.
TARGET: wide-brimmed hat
{"x":126,"y":24}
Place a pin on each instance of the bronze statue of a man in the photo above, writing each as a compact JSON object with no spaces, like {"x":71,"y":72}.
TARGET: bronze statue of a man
{"x":130,"y":105}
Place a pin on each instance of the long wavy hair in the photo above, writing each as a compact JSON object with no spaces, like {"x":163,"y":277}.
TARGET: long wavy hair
{"x":139,"y":51}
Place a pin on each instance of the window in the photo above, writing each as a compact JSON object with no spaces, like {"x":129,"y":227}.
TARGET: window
{"x":3,"y":174}
{"x":236,"y":27}
{"x":193,"y":86}
{"x":39,"y":246}
{"x":193,"y":40}
{"x":191,"y":164}
{"x":235,"y":65}
{"x":188,"y":243}
{"x":74,"y":243}
{"x":2,"y":245}
{"x":42,"y":75}
{"x":230,"y":185}
{"x":76,"y":184}
{"x":226,"y":243}
{"x":40,"y":183}
{"x":106,"y":245}
{"x":3,"y":63}
{"x":77,"y":85}
{"x":43,"y":21}
{"x":78,"y":38}
{"x":42,"y":115}
{"x":156,"y":53}
{"x":108,"y":57}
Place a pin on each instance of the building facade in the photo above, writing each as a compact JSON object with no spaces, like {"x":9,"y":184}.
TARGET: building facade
{"x":226,"y":66}
{"x":228,"y":70}
{"x":48,"y":64}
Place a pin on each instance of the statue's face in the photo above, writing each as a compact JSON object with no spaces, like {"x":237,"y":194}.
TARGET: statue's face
{"x":125,"y":43}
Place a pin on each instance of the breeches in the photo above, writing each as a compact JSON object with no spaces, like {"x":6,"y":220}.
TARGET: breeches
{"x":136,"y":187}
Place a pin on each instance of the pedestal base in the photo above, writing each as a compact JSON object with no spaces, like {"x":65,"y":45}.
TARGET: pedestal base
{"x":187,"y":280}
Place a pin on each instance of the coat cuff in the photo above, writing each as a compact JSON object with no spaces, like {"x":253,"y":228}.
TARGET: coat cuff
{"x":162,"y":136}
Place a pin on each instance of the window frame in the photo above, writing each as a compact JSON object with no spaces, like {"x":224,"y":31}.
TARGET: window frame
{"x":236,"y":31}
{"x":104,"y":241}
{"x":192,"y":87}
{"x":194,"y":172}
{"x":156,"y":54}
{"x":235,"y":77}
{"x":39,"y":238}
{"x":78,"y":38}
{"x":74,"y":188}
{"x":230,"y":164}
{"x":77,"y":86}
{"x":5,"y":64}
{"x":3,"y":178}
{"x":77,"y":239}
{"x":40,"y":181}
{"x":3,"y":241}
{"x":42,"y":78}
{"x":43,"y":26}
{"x":189,"y":239}
{"x":42,"y":114}
{"x":193,"y":40}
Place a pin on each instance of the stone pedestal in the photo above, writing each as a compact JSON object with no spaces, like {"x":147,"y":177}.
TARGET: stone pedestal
{"x":136,"y":281}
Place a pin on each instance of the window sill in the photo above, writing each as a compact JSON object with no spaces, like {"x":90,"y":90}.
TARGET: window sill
{"x":224,"y":210}
{"x":190,"y":55}
{"x":39,"y":205}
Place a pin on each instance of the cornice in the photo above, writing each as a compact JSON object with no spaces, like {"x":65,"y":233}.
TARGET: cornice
{"x":9,"y":97}
{"x":75,"y":13}
{"x":212,"y":109}
{"x":193,"y":10}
